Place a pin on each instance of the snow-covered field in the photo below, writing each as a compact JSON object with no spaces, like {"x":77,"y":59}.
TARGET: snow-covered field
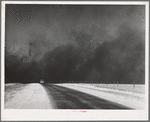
{"x":125,"y":94}
{"x":26,"y":96}
{"x":11,"y":89}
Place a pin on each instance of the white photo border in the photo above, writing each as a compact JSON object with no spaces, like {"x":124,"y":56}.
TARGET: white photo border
{"x":62,"y":115}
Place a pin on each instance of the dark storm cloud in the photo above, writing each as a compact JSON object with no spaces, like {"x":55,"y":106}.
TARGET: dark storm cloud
{"x":56,"y":23}
{"x":82,"y":42}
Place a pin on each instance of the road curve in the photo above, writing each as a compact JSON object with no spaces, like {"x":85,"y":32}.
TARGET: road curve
{"x":65,"y":98}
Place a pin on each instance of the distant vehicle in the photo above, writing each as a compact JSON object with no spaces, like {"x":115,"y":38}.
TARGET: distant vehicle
{"x":41,"y":81}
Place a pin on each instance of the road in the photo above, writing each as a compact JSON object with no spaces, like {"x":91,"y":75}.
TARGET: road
{"x":50,"y":96}
{"x":65,"y":98}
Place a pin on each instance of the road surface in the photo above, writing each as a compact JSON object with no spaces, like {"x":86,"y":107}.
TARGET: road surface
{"x":65,"y":98}
{"x":50,"y":96}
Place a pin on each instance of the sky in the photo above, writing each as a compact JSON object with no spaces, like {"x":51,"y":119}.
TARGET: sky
{"x":34,"y":32}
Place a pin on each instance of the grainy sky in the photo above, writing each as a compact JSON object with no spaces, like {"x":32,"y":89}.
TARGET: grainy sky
{"x":33,"y":30}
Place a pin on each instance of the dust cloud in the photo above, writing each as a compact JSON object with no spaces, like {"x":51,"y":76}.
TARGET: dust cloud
{"x":81,"y":43}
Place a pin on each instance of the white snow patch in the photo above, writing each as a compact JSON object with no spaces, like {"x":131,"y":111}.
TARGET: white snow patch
{"x":10,"y":84}
{"x":33,"y":96}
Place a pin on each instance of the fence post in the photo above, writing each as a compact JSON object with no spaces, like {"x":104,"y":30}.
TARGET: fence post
{"x":133,"y":84}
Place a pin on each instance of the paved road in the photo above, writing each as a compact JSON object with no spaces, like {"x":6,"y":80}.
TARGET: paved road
{"x":65,"y":98}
